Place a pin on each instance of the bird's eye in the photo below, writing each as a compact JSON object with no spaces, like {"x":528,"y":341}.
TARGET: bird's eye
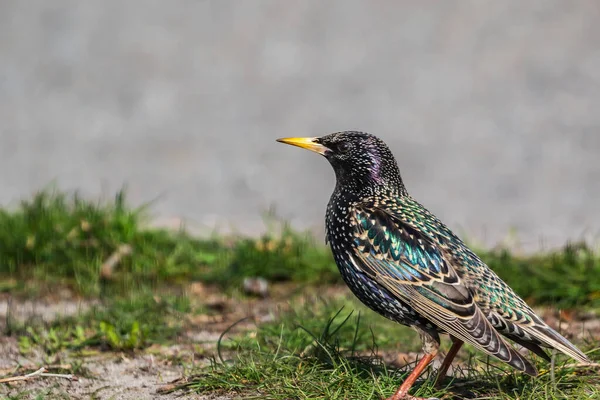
{"x":343,"y":147}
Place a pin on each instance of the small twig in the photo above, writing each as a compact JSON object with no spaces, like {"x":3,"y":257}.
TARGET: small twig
{"x":24,"y":377}
{"x":175,"y":384}
{"x":587,"y":365}
{"x":115,"y":258}
{"x":40,"y":372}
{"x":70,"y":377}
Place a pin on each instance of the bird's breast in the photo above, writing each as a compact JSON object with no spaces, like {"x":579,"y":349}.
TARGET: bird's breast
{"x":337,"y":223}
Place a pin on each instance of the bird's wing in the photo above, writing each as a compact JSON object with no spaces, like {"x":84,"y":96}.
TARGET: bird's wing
{"x":411,"y":266}
{"x":506,"y":311}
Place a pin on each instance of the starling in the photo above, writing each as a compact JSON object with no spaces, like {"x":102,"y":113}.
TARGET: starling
{"x":405,"y":264}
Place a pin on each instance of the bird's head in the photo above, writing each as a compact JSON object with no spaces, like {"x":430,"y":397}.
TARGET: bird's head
{"x":360,"y":160}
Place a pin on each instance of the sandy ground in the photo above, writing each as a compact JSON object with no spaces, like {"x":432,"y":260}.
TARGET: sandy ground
{"x":104,"y":375}
{"x":108,"y":376}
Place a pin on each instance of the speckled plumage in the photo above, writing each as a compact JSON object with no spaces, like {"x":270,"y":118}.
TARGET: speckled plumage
{"x":404,"y":263}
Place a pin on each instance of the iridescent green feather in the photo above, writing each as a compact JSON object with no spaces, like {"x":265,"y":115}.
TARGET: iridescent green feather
{"x":492,"y":295}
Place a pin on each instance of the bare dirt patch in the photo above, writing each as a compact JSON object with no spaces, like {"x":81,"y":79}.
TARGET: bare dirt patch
{"x":136,"y":375}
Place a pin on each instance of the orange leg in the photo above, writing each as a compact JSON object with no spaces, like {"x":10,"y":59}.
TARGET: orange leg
{"x":456,"y":345}
{"x":402,"y":392}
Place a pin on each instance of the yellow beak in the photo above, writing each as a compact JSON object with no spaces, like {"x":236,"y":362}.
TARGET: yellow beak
{"x":306,"y":143}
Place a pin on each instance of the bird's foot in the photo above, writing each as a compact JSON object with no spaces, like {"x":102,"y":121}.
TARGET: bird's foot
{"x":409,"y":397}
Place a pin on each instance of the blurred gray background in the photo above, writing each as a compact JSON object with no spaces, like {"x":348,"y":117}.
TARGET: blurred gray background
{"x":491,"y":108}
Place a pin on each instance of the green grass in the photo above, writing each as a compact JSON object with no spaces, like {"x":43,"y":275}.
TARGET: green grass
{"x":57,"y":238}
{"x":120,"y":324}
{"x":62,"y":239}
{"x":567,"y":277}
{"x":279,"y":255}
{"x":324,"y":350}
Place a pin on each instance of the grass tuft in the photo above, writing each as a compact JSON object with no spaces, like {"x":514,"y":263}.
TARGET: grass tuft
{"x":63,"y":239}
{"x":283,"y":255}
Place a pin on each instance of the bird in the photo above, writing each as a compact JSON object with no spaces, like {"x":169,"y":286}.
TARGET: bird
{"x":402,"y":262}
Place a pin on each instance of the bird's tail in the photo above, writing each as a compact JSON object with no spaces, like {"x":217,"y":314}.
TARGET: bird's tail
{"x":555,"y":340}
{"x":487,"y":339}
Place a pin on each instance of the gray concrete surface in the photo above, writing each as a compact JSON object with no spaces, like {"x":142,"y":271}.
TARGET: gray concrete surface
{"x":492,"y":108}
